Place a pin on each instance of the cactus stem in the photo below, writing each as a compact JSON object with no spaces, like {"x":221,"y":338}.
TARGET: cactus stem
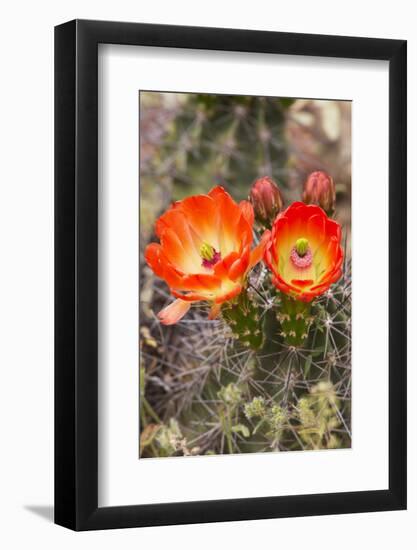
{"x":243,"y":315}
{"x":294,"y":318}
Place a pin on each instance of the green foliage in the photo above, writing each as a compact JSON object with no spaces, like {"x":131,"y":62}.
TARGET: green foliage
{"x":256,"y":408}
{"x":318,"y":414}
{"x":230,"y":395}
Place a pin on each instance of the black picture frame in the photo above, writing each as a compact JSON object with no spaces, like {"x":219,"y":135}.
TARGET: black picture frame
{"x":76,"y":272}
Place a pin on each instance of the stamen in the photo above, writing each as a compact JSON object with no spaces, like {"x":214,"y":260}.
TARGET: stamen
{"x":301,"y":261}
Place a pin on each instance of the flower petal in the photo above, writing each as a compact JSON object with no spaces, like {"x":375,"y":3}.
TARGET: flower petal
{"x":302,"y":282}
{"x":234,"y":291}
{"x":179,"y":253}
{"x":174,"y":312}
{"x":240,"y":266}
{"x":247,"y":210}
{"x":152,"y":257}
{"x":233,"y":226}
{"x":316,"y":229}
{"x":191,"y":296}
{"x":201,"y":282}
{"x":258,"y":252}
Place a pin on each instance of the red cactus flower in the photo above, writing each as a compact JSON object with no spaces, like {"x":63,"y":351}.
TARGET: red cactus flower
{"x":204,"y":251}
{"x":304,"y":251}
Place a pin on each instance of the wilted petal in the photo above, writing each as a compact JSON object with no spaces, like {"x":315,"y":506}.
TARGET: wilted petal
{"x":174,"y":312}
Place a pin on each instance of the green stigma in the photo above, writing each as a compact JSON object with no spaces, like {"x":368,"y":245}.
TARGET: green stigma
{"x":301,"y":246}
{"x":207,"y":252}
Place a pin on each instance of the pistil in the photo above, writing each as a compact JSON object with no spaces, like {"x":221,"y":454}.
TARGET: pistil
{"x":301,"y":255}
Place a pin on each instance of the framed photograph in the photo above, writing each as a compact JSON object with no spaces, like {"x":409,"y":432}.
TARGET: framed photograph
{"x":230,"y":249}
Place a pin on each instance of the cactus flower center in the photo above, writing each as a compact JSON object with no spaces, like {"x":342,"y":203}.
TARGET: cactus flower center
{"x":301,"y":246}
{"x":301,"y":255}
{"x":209,"y":255}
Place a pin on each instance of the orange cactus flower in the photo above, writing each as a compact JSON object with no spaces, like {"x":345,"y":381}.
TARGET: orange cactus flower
{"x":204,"y":251}
{"x":304,"y":251}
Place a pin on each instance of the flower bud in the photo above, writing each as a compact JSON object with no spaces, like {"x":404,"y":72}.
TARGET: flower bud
{"x":319,"y":189}
{"x":266,"y":199}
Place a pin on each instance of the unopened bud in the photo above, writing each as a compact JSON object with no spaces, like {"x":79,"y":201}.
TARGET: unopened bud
{"x":319,"y":189}
{"x":266,"y":199}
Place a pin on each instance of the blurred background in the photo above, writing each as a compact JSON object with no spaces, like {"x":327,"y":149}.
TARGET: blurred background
{"x":191,"y":142}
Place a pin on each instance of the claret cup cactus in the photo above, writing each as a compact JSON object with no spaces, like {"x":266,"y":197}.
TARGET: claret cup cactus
{"x":269,"y":362}
{"x":206,"y":254}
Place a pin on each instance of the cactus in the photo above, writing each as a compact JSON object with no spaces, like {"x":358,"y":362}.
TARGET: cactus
{"x":220,"y":139}
{"x":271,"y":373}
{"x":244,"y":316}
{"x":229,"y":397}
{"x":295,"y":319}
